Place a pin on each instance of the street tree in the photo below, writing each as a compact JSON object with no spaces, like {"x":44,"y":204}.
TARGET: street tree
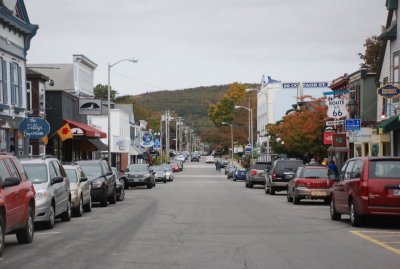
{"x":371,"y":56}
{"x":101,"y":92}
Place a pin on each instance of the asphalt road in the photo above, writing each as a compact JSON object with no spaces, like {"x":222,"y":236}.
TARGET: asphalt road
{"x":203,"y":220}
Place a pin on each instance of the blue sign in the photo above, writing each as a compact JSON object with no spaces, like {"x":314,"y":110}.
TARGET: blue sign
{"x":388,"y":91}
{"x":147,"y":140}
{"x":353,"y":125}
{"x":157,"y":144}
{"x":34,"y":127}
{"x":247,"y":149}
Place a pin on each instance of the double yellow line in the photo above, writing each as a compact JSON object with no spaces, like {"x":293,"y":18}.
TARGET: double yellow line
{"x":377,"y":242}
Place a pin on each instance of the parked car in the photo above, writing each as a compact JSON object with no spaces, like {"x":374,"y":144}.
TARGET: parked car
{"x":175,"y":167}
{"x":181,"y":158}
{"x":52,"y":186}
{"x":239,"y":174}
{"x":169,"y":172}
{"x":139,"y":175}
{"x":311,"y":182}
{"x":160,"y":174}
{"x":210,"y":159}
{"x":279,"y":175}
{"x":256,"y":175}
{"x":224,"y":163}
{"x":81,"y":198}
{"x":180,"y":165}
{"x":195,"y":158}
{"x":365,"y":187}
{"x":102,"y":180}
{"x":17,"y":201}
{"x":120,"y":184}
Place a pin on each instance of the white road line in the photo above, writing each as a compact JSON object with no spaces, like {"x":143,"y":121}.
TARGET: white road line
{"x":46,"y":233}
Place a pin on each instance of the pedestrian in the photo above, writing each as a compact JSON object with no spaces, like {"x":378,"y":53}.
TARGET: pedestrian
{"x":325,"y":162}
{"x":219,"y":167}
{"x":216,"y":165}
{"x":332,"y":166}
{"x":306,"y":158}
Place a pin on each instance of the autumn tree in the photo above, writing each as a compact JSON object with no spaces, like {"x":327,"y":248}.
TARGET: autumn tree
{"x":300,"y":131}
{"x":371,"y":56}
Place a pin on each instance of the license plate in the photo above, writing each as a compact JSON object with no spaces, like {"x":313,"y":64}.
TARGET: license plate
{"x":318,"y":193}
{"x":288,"y":176}
{"x":396,"y":192}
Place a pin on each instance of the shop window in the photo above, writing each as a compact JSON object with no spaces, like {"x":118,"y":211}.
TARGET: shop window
{"x":396,"y":72}
{"x":29,"y":95}
{"x":375,"y":150}
{"x":357,"y":151}
{"x":3,"y":140}
{"x":366,"y":149}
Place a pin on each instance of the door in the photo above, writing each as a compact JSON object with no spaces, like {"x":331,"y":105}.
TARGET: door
{"x":20,"y":193}
{"x":85,"y":187}
{"x":109,"y":179}
{"x":63,"y":186}
{"x":11,"y":198}
{"x":339,"y":189}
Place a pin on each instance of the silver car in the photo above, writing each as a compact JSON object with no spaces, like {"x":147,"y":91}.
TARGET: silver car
{"x":53,"y":198}
{"x":80,"y":190}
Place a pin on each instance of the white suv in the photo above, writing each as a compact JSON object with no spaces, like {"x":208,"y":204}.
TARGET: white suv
{"x":53,"y":198}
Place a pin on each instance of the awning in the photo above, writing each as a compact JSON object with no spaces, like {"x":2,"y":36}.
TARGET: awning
{"x":98,"y":144}
{"x":87,"y":131}
{"x":388,"y":125}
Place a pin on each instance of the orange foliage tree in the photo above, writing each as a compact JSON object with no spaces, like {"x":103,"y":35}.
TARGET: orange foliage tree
{"x":301,"y":131}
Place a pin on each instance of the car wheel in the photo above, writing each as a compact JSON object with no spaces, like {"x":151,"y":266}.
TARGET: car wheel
{"x":113,"y":198}
{"x":271,"y":190}
{"x":251,"y":185}
{"x":150,"y":185}
{"x":104,"y":201}
{"x":121,"y":196}
{"x":52,"y":218}
{"x":66,"y":216}
{"x":25,"y":235}
{"x":288,"y":197}
{"x":355,"y":219}
{"x":296,"y":200}
{"x":79,"y":211}
{"x":88,"y":206}
{"x":1,"y":234}
{"x":334,"y":215}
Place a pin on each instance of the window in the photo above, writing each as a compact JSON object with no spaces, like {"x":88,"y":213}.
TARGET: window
{"x":3,"y":170}
{"x":356,"y":171}
{"x":52,"y":171}
{"x":42,"y":150}
{"x":57,"y":168}
{"x":3,"y":140}
{"x":349,"y":168}
{"x":28,"y":95}
{"x":13,"y":170}
{"x":42,"y":97}
{"x":1,"y":82}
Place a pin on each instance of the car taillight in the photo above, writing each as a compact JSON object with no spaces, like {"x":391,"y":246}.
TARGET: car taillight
{"x":363,"y":188}
{"x":299,"y":184}
{"x":273,"y":176}
{"x":253,"y":172}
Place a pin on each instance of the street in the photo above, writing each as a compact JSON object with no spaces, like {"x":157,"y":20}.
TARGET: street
{"x":203,"y":220}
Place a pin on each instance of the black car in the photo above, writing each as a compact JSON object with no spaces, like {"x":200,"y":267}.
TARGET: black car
{"x":281,"y":172}
{"x":139,"y":175}
{"x":239,"y":174}
{"x":102,"y":180}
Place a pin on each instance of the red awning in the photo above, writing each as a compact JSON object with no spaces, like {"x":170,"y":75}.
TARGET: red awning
{"x":88,"y":131}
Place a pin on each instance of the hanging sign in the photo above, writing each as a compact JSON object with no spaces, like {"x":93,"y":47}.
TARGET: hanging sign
{"x":34,"y":127}
{"x":336,"y":107}
{"x":388,"y":91}
{"x":147,"y":140}
{"x":157,"y":144}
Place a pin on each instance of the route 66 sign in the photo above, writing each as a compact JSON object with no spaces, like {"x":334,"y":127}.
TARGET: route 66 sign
{"x":336,"y":107}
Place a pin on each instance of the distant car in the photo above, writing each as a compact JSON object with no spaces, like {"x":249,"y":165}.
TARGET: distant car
{"x":120,"y":184}
{"x":210,"y":159}
{"x":181,"y":158}
{"x":239,"y":174}
{"x":230,"y":171}
{"x":169,"y":172}
{"x":256,"y":175}
{"x":102,"y":179}
{"x":367,"y":186}
{"x":17,"y":201}
{"x":139,"y":175}
{"x":311,"y":182}
{"x":175,"y":167}
{"x":180,"y":164}
{"x":195,"y":158}
{"x":224,"y":163}
{"x":81,"y":198}
{"x":52,"y":186}
{"x":160,"y":174}
{"x":281,"y":172}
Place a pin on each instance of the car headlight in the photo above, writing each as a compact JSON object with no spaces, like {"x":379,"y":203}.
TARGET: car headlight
{"x":97,"y":184}
{"x":41,"y":195}
{"x":74,"y":193}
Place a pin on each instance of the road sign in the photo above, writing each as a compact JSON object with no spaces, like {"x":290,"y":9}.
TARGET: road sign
{"x":334,"y":122}
{"x":336,"y":107}
{"x":352,"y":125}
{"x":157,"y":144}
{"x":247,"y":149}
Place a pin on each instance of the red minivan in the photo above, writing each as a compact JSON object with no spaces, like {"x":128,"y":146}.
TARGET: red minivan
{"x":367,"y":186}
{"x":17,"y":201}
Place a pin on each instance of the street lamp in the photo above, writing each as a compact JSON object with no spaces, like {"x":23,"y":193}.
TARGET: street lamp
{"x":251,"y":128}
{"x":133,"y":60}
{"x":231,"y":125}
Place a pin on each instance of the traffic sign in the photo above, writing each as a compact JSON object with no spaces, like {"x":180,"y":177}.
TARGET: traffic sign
{"x":247,"y":149}
{"x":352,"y":124}
{"x":157,"y":144}
{"x":334,"y":122}
{"x":336,"y":107}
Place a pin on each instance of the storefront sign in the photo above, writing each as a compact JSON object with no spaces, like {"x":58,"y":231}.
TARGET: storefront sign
{"x":388,"y":91}
{"x":147,"y":140}
{"x":352,"y":124}
{"x":328,"y":138}
{"x":34,"y":127}
{"x":89,"y":106}
{"x":339,"y":140}
{"x":315,"y":84}
{"x":157,"y":144}
{"x":290,"y":85}
{"x":362,"y":136}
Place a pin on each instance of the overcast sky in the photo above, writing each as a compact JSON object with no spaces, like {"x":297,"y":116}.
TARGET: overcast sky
{"x":189,"y":43}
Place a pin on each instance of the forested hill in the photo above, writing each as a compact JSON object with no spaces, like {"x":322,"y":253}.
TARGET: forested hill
{"x":191,"y":104}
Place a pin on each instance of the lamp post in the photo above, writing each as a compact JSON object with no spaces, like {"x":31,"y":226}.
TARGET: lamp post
{"x":231,"y":125}
{"x":133,"y":60}
{"x":251,"y":128}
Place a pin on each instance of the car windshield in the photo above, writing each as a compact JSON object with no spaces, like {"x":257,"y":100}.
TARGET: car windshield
{"x":138,"y":168}
{"x":71,"y":174}
{"x":315,"y":173}
{"x":158,"y":169}
{"x":37,"y":173}
{"x":91,"y":170}
{"x":261,"y":166}
{"x":288,"y":165}
{"x":384,"y":169}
